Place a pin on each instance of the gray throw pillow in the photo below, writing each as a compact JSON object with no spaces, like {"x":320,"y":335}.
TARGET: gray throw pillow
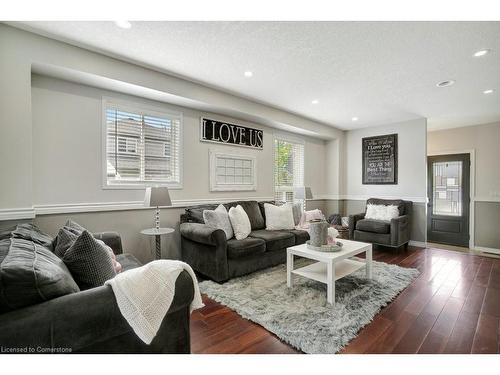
{"x":29,"y":232}
{"x":74,"y":227}
{"x":31,"y":274}
{"x":65,"y":239}
{"x":219,"y":219}
{"x":89,"y":262}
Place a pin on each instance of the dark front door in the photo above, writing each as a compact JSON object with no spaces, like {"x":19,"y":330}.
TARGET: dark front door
{"x":449,"y":196}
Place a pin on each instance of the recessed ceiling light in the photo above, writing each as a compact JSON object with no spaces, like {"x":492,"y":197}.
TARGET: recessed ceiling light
{"x":445,"y":83}
{"x":482,"y":52}
{"x":315,"y":101}
{"x":354,"y":119}
{"x":123,"y":24}
{"x":248,"y":74}
{"x":490,"y":91}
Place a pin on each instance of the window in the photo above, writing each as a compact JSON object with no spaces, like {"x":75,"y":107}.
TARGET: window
{"x":288,"y":168}
{"x":232,"y":172}
{"x":142,"y":147}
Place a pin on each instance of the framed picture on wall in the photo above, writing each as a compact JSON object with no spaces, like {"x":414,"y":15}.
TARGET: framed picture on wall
{"x":380,"y":160}
{"x":230,"y":172}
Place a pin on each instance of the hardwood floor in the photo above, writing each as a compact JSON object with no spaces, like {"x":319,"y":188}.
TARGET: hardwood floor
{"x":452,"y":307}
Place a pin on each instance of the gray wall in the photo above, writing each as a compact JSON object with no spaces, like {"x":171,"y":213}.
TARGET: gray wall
{"x":487,"y":224}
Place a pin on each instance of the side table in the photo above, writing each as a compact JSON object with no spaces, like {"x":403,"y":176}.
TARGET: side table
{"x":343,"y":231}
{"x":157,"y":232}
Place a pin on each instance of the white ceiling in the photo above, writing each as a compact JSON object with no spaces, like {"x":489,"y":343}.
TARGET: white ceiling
{"x":380,"y":72}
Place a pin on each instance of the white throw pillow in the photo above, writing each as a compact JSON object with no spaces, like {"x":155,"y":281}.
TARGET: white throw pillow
{"x":219,"y":219}
{"x":279,"y":217}
{"x":381,"y":212}
{"x":240,"y":222}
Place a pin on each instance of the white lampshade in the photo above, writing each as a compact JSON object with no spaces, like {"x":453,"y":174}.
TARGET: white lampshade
{"x":303,"y":193}
{"x":157,"y":197}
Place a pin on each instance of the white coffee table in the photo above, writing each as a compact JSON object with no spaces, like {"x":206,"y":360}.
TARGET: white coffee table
{"x":329,"y":266}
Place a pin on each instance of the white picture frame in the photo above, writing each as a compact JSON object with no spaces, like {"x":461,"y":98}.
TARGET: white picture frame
{"x":231,"y":172}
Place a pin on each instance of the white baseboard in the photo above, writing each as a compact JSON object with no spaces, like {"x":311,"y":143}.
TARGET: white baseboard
{"x":487,"y":250}
{"x":418,"y":243}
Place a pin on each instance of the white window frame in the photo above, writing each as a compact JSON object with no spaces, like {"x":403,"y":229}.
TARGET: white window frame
{"x":215,"y":186}
{"x":291,"y":139}
{"x":142,"y":109}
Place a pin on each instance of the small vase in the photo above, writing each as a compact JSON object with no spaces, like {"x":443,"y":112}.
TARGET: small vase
{"x":318,"y":232}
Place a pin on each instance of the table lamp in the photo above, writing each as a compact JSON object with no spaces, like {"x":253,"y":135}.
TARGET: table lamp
{"x":157,"y":197}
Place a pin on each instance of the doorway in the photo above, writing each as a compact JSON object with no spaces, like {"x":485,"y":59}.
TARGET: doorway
{"x":448,"y":192}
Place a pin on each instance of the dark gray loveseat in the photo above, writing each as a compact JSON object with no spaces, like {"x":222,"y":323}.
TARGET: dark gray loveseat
{"x":394,"y":233}
{"x":90,"y":321}
{"x":208,"y":252}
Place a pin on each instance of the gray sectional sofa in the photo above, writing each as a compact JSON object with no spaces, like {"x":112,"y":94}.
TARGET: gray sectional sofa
{"x":208,"y":252}
{"x":44,"y":320}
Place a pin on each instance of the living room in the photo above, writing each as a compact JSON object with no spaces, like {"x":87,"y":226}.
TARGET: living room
{"x":264,"y":191}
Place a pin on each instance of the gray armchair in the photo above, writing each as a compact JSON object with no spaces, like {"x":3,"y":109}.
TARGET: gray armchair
{"x":395,"y":233}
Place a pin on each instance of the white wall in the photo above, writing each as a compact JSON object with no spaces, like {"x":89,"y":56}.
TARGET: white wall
{"x":19,"y":50}
{"x":412,"y":170}
{"x":485,"y":140}
{"x":67,"y":149}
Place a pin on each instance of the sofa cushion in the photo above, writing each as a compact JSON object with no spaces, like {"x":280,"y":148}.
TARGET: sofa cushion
{"x":275,"y":239}
{"x":63,"y":241}
{"x":253,"y":211}
{"x":376,"y":238}
{"x":390,"y":202}
{"x":381,"y":212}
{"x":128,"y":261}
{"x":240,"y":222}
{"x":248,"y":246}
{"x":29,"y":232}
{"x":194,"y":214}
{"x":279,"y":217}
{"x":301,"y":236}
{"x":219,"y":219}
{"x":373,"y":226}
{"x":89,"y":262}
{"x":31,"y":274}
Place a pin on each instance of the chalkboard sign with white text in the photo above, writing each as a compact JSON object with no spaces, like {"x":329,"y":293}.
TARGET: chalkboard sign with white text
{"x":235,"y":135}
{"x":380,"y":160}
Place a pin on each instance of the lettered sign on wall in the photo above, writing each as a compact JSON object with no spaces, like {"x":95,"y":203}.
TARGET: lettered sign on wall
{"x":236,"y":135}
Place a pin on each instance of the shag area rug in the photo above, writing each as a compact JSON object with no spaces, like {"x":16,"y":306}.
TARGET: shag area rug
{"x":301,"y":316}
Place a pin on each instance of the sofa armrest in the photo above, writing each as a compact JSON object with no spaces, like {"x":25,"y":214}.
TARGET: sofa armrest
{"x":112,"y":239}
{"x":83,"y":320}
{"x":202,"y":233}
{"x":352,"y":223}
{"x":400,"y":231}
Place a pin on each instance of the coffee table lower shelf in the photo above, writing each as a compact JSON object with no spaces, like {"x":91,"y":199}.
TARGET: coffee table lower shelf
{"x":318,"y":271}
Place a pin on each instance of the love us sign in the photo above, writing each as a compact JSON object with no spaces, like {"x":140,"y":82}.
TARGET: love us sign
{"x":231,"y":134}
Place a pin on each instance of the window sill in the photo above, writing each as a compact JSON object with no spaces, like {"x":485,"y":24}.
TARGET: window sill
{"x":140,"y":186}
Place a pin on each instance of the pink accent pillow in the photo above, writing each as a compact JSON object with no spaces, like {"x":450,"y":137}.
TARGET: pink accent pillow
{"x":307,"y":216}
{"x":116,"y":265}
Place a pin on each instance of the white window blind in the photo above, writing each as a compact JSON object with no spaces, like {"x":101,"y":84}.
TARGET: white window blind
{"x":142,"y":147}
{"x":288,"y":168}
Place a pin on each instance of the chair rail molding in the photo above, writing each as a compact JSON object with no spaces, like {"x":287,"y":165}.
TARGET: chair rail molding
{"x":66,"y":208}
{"x":17,"y":213}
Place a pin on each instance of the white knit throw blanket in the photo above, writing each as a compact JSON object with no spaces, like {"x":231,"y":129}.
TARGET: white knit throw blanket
{"x":144,"y":294}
